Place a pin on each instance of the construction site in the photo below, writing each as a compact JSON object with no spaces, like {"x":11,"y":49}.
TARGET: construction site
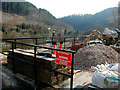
{"x":89,"y":61}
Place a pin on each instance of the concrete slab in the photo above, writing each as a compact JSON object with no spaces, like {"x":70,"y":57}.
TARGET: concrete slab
{"x":80,"y":80}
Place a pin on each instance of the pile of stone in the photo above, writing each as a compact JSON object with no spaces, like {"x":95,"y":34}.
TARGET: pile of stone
{"x":93,"y":55}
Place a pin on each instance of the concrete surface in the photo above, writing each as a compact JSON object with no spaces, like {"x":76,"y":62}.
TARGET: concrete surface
{"x":80,"y":80}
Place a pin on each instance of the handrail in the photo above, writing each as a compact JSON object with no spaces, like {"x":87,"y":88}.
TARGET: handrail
{"x":35,"y":38}
{"x":70,"y":51}
{"x":35,"y":49}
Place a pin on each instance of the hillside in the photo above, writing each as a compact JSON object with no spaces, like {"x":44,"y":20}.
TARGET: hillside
{"x":88,"y":21}
{"x":28,"y":19}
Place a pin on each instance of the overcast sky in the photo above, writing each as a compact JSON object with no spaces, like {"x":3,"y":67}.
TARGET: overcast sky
{"x":60,"y":8}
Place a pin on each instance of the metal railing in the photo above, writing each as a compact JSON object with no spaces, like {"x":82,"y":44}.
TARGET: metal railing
{"x":13,"y":45}
{"x":64,"y":39}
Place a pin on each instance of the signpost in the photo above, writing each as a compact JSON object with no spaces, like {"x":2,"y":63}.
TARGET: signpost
{"x":63,"y":58}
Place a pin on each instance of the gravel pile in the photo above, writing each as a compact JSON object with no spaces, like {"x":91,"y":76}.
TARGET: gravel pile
{"x":92,"y":55}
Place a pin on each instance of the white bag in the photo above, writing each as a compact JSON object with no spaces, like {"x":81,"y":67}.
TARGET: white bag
{"x":105,"y":77}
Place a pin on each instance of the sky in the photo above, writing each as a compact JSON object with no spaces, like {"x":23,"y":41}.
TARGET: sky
{"x":61,"y":8}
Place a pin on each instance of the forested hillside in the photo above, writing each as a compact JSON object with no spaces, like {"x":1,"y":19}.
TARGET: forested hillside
{"x":85,"y":22}
{"x":23,"y":19}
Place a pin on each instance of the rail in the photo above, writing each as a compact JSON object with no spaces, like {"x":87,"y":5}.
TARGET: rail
{"x":36,"y":39}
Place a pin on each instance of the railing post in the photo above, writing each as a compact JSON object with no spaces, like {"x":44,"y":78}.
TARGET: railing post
{"x":13,"y":57}
{"x":72,"y":72}
{"x":64,"y":42}
{"x":36,"y":41}
{"x":12,"y":47}
{"x":52,"y":39}
{"x":52,"y":44}
{"x":35,"y":71}
{"x":15,"y":44}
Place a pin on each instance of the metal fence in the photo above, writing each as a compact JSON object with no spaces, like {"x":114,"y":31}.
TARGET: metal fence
{"x":52,"y":39}
{"x":13,"y":46}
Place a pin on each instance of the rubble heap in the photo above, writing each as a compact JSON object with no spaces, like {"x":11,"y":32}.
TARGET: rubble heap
{"x":92,"y":55}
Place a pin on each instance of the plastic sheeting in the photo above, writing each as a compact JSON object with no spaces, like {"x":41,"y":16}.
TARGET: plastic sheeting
{"x":107,"y":76}
{"x":107,"y":31}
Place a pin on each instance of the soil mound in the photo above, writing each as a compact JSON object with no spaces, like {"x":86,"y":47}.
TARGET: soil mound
{"x":92,"y":55}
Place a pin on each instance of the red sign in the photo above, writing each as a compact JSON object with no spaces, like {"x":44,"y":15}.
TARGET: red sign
{"x":63,"y":58}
